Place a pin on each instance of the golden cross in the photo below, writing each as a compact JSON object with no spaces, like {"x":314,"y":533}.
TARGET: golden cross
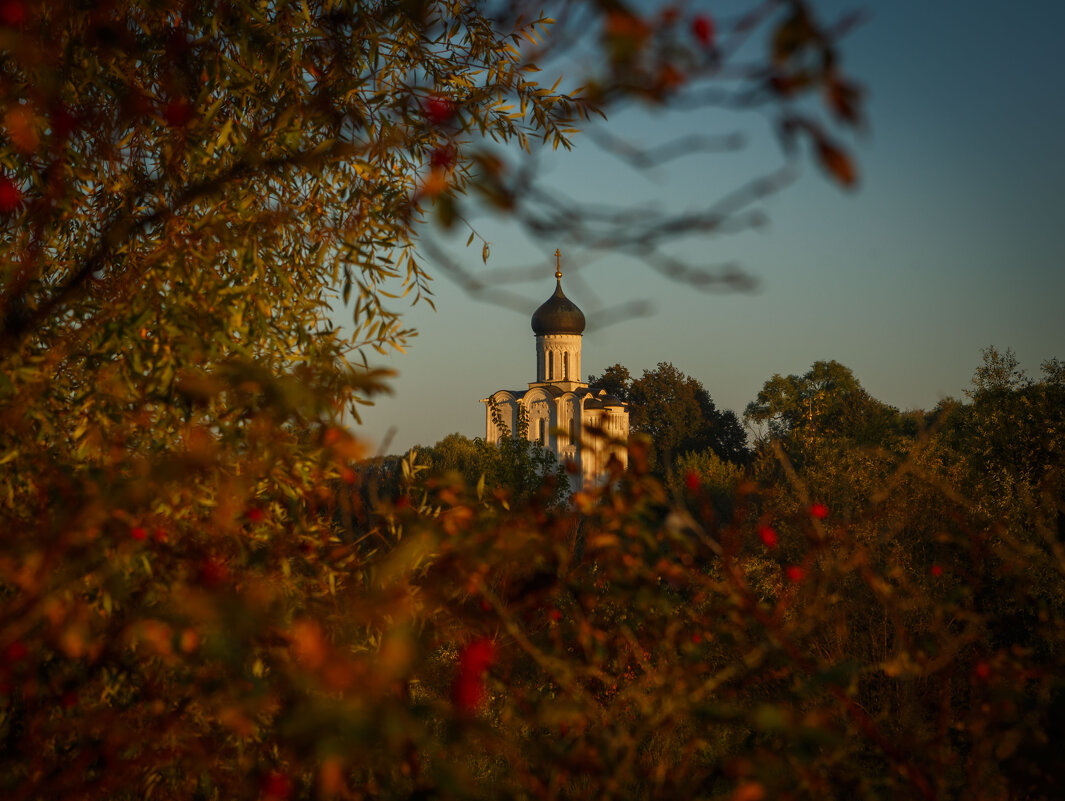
{"x":558,"y":263}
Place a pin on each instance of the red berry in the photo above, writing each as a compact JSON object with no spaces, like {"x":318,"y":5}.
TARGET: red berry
{"x":255,"y":514}
{"x":138,"y":532}
{"x":703,"y":29}
{"x":438,"y":110}
{"x":794,"y":573}
{"x":442,"y":157}
{"x":768,"y":537}
{"x":12,"y":13}
{"x":697,"y":638}
{"x":62,"y":123}
{"x":691,"y":480}
{"x":669,"y":77}
{"x":819,"y":510}
{"x":555,"y":615}
{"x":477,"y":656}
{"x":16,"y":652}
{"x":10,"y":196}
{"x":468,"y":690}
{"x":213,"y":573}
{"x":177,"y":113}
{"x":937,"y":570}
{"x":276,"y":786}
{"x":982,"y":671}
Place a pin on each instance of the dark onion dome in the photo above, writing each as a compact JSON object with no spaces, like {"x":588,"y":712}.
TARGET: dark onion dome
{"x":558,"y":315}
{"x":611,"y":400}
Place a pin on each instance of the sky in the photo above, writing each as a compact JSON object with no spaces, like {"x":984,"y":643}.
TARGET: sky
{"x":953,"y":241}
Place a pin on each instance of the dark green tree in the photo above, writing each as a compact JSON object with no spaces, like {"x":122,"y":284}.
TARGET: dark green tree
{"x":1011,"y":435}
{"x":517,"y":466}
{"x":827,"y":401}
{"x":615,"y":380}
{"x":461,"y":455}
{"x":676,"y":412}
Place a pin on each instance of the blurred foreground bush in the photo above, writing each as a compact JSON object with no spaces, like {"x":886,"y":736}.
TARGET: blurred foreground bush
{"x":199,"y":599}
{"x":633,"y":646}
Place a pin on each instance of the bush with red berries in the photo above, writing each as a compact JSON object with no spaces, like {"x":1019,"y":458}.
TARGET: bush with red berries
{"x":207,"y":592}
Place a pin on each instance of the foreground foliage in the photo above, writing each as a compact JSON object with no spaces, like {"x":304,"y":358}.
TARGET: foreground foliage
{"x":199,"y":598}
{"x":860,"y":626}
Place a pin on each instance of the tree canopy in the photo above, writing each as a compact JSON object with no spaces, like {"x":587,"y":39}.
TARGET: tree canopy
{"x":676,"y":412}
{"x":826,"y":401}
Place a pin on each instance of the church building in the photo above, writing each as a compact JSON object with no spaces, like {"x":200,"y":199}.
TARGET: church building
{"x":578,"y":424}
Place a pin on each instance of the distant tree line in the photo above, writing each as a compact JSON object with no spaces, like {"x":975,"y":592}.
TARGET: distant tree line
{"x":1000,"y":443}
{"x":673,"y":410}
{"x":869,"y":603}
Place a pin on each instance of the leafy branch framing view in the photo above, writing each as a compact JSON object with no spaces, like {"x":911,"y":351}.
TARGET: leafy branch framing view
{"x":207,"y":588}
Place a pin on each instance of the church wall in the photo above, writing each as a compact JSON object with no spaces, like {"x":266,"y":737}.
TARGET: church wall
{"x":569,"y":436}
{"x":569,"y":420}
{"x":591,"y":446}
{"x":558,"y":357}
{"x":605,"y":435}
{"x":508,"y":410}
{"x":542,"y":418}
{"x":618,"y":428}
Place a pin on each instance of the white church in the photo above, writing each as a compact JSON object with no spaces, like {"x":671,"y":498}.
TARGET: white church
{"x":580,"y":425}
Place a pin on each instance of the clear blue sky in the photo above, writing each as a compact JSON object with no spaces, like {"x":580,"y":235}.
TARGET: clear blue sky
{"x":955,"y":239}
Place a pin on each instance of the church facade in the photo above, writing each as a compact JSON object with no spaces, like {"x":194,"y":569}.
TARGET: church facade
{"x":579,"y":425}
